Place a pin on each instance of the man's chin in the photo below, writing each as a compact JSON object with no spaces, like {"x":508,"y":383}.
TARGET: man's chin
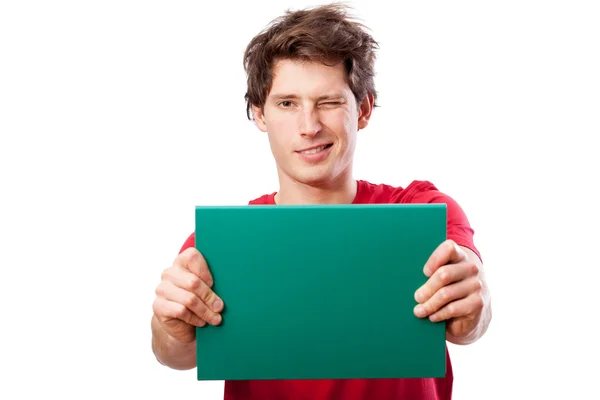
{"x":315,"y":178}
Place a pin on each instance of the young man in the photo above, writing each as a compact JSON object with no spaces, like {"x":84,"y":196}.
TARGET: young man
{"x":310,"y":88}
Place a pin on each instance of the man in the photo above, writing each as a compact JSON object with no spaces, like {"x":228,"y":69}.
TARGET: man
{"x":310,"y":88}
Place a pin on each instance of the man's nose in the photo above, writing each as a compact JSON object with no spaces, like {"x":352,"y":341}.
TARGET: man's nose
{"x":309,"y":123}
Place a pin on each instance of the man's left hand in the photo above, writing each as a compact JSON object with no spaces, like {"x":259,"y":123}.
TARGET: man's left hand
{"x":455,"y":291}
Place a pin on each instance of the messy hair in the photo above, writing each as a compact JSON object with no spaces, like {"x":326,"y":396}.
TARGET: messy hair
{"x":325,"y":34}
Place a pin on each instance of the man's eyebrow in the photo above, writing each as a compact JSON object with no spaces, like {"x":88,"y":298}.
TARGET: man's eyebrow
{"x":335,"y":95}
{"x":279,"y":96}
{"x":332,"y":96}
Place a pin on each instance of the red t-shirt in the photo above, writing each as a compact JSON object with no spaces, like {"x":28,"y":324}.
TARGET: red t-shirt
{"x":458,"y":229}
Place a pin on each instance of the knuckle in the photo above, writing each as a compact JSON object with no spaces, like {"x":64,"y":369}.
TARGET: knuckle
{"x":428,"y":307}
{"x":180,"y":311}
{"x":444,"y":294}
{"x":192,"y":255}
{"x":450,"y":310}
{"x":444,"y":275}
{"x":160,"y":290}
{"x":473,"y":268}
{"x":427,"y":292}
{"x":185,"y":256}
{"x":440,"y":315}
{"x":193,"y":283}
{"x":206,"y":294}
{"x":206,"y":314}
{"x":479,"y":302}
{"x":190,"y":301}
{"x":166,"y":273}
{"x":189,"y":253}
{"x":210,"y":297}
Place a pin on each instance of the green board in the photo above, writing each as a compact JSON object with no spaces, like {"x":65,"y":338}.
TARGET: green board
{"x":319,"y":292}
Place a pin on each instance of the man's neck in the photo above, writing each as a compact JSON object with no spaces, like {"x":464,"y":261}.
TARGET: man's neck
{"x":341,"y":191}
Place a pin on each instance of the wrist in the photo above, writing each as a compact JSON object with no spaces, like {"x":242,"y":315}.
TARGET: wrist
{"x":170,"y":351}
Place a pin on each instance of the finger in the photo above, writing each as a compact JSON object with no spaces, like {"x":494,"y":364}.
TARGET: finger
{"x":168,"y":310}
{"x":444,"y":276}
{"x":471,"y":305}
{"x":192,"y":260}
{"x":446,"y":253}
{"x":192,"y":283}
{"x":190,"y":301}
{"x":447,"y":294}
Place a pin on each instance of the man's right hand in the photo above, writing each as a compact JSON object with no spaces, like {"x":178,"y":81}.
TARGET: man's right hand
{"x":184,"y":298}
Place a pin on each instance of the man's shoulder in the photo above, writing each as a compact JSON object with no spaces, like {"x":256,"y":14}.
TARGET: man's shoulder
{"x":416,"y":191}
{"x":268,"y":198}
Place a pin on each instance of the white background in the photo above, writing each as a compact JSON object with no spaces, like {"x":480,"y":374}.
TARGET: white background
{"x":118,"y":117}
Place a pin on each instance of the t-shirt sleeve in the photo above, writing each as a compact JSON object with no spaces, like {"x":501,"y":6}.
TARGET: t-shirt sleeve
{"x":190,"y":242}
{"x":458,"y":227}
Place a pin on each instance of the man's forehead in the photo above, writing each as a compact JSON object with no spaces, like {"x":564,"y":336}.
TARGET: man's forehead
{"x":308,"y":79}
{"x":339,"y":95}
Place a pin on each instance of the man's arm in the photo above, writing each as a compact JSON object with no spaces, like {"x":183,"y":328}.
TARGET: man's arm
{"x":455,"y":292}
{"x":184,"y":301}
{"x":171,"y":352}
{"x":486,"y":311}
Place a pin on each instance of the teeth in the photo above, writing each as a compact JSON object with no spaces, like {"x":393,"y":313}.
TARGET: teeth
{"x":313,"y":151}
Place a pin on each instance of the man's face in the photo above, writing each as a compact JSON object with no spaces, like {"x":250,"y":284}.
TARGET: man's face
{"x":312,"y":119}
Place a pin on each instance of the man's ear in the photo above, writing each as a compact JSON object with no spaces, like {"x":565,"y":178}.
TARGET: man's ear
{"x":259,"y":118}
{"x":364,"y":111}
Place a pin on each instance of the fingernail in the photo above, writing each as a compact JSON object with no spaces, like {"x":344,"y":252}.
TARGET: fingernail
{"x":216,"y":319}
{"x":419,"y":296}
{"x":419,"y":311}
{"x":217,"y":305}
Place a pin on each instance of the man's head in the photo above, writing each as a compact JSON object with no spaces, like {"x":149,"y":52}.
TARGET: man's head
{"x":311,"y":83}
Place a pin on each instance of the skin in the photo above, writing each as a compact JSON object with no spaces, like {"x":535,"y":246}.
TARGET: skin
{"x":456,"y":292}
{"x":310,"y":104}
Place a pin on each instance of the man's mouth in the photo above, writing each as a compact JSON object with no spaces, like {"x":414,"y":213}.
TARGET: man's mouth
{"x":316,"y":149}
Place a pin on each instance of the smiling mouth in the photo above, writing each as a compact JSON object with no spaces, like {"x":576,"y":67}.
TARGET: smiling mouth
{"x":316,"y":149}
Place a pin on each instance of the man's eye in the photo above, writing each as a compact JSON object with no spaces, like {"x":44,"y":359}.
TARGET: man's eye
{"x":332,"y":103}
{"x":286,"y":103}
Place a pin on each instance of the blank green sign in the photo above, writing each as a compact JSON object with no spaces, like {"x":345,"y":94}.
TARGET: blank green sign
{"x":315,"y":292}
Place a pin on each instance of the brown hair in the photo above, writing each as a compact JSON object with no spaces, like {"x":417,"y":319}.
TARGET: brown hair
{"x":325,"y":34}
